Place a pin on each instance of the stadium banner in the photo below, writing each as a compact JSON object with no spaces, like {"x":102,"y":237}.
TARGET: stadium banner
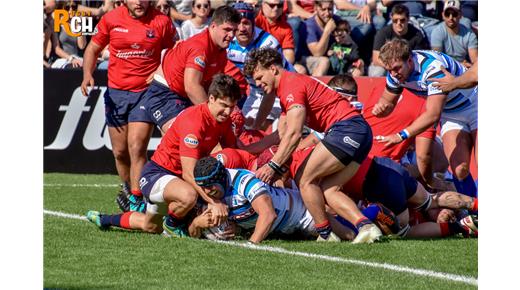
{"x":75,"y":136}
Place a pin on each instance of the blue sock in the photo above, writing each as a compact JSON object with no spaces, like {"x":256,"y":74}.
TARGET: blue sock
{"x":370,"y":212}
{"x":111,"y":220}
{"x":324,"y":229}
{"x":466,"y":186}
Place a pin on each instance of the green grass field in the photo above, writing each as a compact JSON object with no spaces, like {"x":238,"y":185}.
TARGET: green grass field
{"x":79,"y":256}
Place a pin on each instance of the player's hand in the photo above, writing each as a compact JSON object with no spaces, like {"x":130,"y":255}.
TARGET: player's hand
{"x":87,"y":81}
{"x":364,"y":14}
{"x":219,"y":213}
{"x":445,"y":83}
{"x":389,"y":140}
{"x":382,"y":109}
{"x":205,"y":219}
{"x":266,"y":174}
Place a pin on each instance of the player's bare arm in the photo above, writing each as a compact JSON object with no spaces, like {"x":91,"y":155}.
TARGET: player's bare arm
{"x":385,"y":105}
{"x":89,"y":65}
{"x":263,"y":206}
{"x":193,"y":85}
{"x":266,"y":105}
{"x":218,"y":208}
{"x":289,"y":141}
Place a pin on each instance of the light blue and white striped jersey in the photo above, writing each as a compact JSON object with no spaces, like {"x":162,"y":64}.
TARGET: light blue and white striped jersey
{"x":237,"y":53}
{"x":244,"y":187}
{"x":427,"y":65}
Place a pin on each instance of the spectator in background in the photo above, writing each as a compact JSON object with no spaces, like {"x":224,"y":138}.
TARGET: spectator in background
{"x":165,"y":7}
{"x":48,"y":31}
{"x":364,"y":20}
{"x":418,"y":14}
{"x":68,"y":48}
{"x":344,"y":53}
{"x":272,"y":19}
{"x":453,"y":38}
{"x":469,"y":11}
{"x":136,"y":33}
{"x":298,"y":11}
{"x":318,"y":36}
{"x":200,"y":20}
{"x":181,"y":10}
{"x":400,"y":28}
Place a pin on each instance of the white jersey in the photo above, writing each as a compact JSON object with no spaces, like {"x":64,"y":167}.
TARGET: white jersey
{"x":427,"y":65}
{"x":244,"y":187}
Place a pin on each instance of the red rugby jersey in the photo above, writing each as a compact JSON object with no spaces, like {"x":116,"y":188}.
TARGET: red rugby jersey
{"x":198,"y":52}
{"x":194,"y":133}
{"x":408,"y":108}
{"x":236,"y":158}
{"x":135,"y":46}
{"x":324,"y":106}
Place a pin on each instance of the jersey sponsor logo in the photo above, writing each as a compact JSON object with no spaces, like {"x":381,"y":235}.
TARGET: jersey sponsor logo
{"x":75,"y":23}
{"x":351,"y":142}
{"x":200,"y":61}
{"x":191,"y":141}
{"x":119,"y":29}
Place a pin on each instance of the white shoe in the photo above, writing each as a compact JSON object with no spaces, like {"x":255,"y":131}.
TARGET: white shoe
{"x":368,"y":233}
{"x":332,"y":238}
{"x":470,"y":225}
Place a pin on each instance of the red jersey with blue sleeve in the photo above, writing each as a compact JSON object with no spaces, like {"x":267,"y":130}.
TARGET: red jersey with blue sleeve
{"x":135,"y":46}
{"x":409,"y":107}
{"x":198,"y":52}
{"x":324,"y":106}
{"x":194,"y":133}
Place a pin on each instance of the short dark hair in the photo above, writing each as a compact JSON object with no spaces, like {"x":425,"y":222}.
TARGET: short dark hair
{"x":318,"y":2}
{"x":395,"y":49}
{"x":400,"y":9}
{"x":224,"y":86}
{"x":343,"y":22}
{"x":344,"y":81}
{"x":264,"y":57}
{"x":225,"y":14}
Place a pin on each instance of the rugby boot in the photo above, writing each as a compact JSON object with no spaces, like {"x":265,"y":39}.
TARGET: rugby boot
{"x":331,"y":238}
{"x":95,"y":218}
{"x":368,"y":233}
{"x":122,"y":198}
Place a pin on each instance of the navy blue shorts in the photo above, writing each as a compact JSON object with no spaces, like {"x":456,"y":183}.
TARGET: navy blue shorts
{"x":150,"y":174}
{"x":162,"y":104}
{"x":389,"y":183}
{"x":122,"y":107}
{"x":349,"y":140}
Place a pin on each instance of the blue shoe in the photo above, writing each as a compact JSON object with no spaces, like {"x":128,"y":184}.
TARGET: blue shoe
{"x":122,"y":201}
{"x":95,"y":218}
{"x":137,"y":203}
{"x":179,"y":232}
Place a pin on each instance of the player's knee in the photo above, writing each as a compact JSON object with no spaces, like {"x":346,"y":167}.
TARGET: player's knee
{"x":187,"y":198}
{"x":137,"y":149}
{"x":461,"y":170}
{"x":120,"y":154}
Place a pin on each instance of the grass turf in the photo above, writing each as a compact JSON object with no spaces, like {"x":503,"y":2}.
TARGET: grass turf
{"x":77,"y":255}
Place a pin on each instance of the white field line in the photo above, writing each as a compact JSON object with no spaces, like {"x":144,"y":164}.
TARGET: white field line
{"x":386,"y":266}
{"x":78,"y":185}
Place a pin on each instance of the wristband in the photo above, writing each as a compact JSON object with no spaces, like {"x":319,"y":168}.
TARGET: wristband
{"x":277,"y":168}
{"x":404,"y":134}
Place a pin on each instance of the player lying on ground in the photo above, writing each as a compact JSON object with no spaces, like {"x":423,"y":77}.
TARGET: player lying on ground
{"x":167,"y":179}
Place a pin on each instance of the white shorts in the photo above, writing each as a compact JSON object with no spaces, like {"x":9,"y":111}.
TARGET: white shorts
{"x":465,"y":120}
{"x":156,"y":204}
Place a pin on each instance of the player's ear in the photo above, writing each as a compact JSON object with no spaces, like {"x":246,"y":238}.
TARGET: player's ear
{"x":274,"y":69}
{"x":211,"y":98}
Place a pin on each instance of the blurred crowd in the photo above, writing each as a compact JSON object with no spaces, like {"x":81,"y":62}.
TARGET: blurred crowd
{"x":316,"y":37}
